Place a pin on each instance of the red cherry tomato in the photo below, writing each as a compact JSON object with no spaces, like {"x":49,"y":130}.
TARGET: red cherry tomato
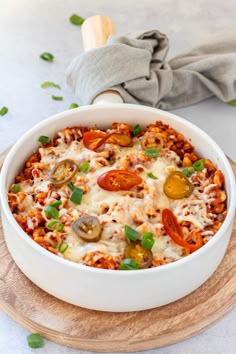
{"x":92,"y":139}
{"x":173,"y":229}
{"x":118,"y":180}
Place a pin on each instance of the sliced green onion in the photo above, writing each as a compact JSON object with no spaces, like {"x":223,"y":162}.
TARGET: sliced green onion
{"x":76,"y":20}
{"x":151,"y":152}
{"x":16,"y":188}
{"x":76,"y":195}
{"x":199,"y":165}
{"x":136,"y":130}
{"x":73,"y":105}
{"x":47,"y":56}
{"x":151,"y":175}
{"x":130,"y":233}
{"x":129,"y":264}
{"x":50,"y":84}
{"x":43,"y":139}
{"x":63,"y":247}
{"x":71,"y":186}
{"x":84,"y":167}
{"x":3,"y":111}
{"x":188,"y":171}
{"x":57,"y":98}
{"x":35,"y":340}
{"x":56,"y":203}
{"x":147,"y":240}
{"x":55,"y":225}
{"x":51,"y":212}
{"x":232,"y":103}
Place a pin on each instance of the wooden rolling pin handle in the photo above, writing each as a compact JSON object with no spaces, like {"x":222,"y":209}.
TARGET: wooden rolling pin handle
{"x":95,"y":33}
{"x":96,"y":30}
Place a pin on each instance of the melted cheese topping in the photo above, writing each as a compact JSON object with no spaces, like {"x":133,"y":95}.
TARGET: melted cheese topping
{"x":140,"y":208}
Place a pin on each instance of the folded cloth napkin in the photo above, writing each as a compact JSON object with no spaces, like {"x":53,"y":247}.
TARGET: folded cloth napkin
{"x":136,"y":66}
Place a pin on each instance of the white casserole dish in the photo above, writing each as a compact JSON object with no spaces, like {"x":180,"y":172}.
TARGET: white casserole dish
{"x":110,"y":290}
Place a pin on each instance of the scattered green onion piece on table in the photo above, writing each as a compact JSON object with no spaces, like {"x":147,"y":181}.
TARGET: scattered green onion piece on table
{"x":47,"y":56}
{"x":76,"y":20}
{"x":43,"y":139}
{"x":232,"y":103}
{"x":151,"y":175}
{"x":151,"y":152}
{"x":129,"y":264}
{"x":136,"y":130}
{"x":57,"y":98}
{"x":51,"y":212}
{"x":130,"y":233}
{"x":84,"y":167}
{"x":3,"y":111}
{"x":56,"y":203}
{"x":199,"y":165}
{"x":35,"y":340}
{"x":147,"y":240}
{"x":188,"y":171}
{"x":16,"y":188}
{"x":63,"y":247}
{"x":50,"y":84}
{"x":73,"y":105}
{"x":76,"y":195}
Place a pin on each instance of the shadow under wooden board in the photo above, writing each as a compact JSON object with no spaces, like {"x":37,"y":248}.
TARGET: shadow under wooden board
{"x":84,"y":329}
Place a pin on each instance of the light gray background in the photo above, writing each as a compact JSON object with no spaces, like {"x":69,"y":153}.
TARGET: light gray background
{"x":30,"y":27}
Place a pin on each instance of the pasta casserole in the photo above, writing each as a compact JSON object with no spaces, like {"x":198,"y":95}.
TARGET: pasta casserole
{"x":124,"y":198}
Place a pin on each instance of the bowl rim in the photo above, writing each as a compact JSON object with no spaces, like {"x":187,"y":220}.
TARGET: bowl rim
{"x":70,"y":264}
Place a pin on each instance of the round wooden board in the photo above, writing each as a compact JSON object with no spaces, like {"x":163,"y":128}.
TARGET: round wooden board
{"x":80,"y":328}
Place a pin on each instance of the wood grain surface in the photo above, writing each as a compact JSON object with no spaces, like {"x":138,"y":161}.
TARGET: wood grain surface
{"x":80,"y":328}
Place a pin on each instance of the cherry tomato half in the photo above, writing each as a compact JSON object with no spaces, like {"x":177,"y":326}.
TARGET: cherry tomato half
{"x":177,"y":186}
{"x":63,"y":172}
{"x":92,"y":139}
{"x":173,"y":229}
{"x":118,"y":180}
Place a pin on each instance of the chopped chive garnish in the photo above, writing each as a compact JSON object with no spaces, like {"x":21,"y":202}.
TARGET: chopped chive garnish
{"x":63,"y":247}
{"x":147,"y":240}
{"x":55,"y":225}
{"x":76,"y":20}
{"x":35,"y":340}
{"x":76,"y":195}
{"x":151,"y":175}
{"x":84,"y":167}
{"x":129,"y":264}
{"x":188,"y":171}
{"x":56,"y":203}
{"x":51,"y":212}
{"x":232,"y":103}
{"x":57,"y":98}
{"x":130,"y":233}
{"x":50,"y":84}
{"x":199,"y":165}
{"x":3,"y":111}
{"x":43,"y":139}
{"x":151,"y":152}
{"x":71,"y":186}
{"x":47,"y":56}
{"x":136,"y":130}
{"x":73,"y":105}
{"x":16,"y":188}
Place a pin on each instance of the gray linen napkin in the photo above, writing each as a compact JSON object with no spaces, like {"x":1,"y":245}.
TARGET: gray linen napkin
{"x":136,"y":66}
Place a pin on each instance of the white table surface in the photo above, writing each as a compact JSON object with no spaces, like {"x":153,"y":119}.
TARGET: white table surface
{"x":30,"y":27}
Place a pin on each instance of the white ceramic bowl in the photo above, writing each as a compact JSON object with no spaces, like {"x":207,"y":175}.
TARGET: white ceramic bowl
{"x":110,"y":290}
